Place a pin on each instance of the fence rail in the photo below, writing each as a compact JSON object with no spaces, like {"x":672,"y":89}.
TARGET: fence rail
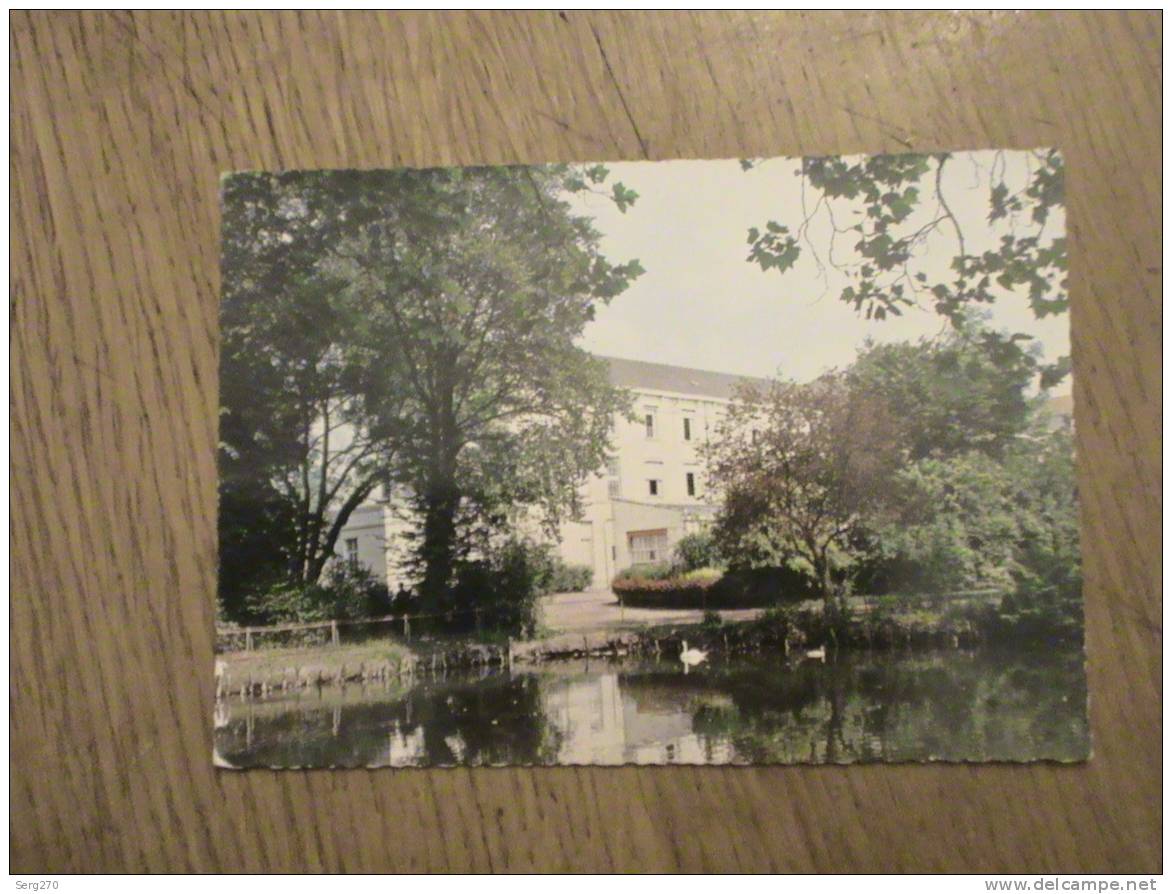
{"x":333,"y":626}
{"x":405,"y":619}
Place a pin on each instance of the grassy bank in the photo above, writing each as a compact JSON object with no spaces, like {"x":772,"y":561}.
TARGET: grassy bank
{"x":888,"y":624}
{"x":262,"y":671}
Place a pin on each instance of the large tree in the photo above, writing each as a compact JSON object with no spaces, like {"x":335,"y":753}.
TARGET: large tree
{"x":889,"y":216}
{"x":413,"y":326}
{"x":800,"y":468}
{"x":483,"y":307}
{"x":300,"y":446}
{"x":965,"y":390}
{"x":971,"y":520}
{"x":294,"y":457}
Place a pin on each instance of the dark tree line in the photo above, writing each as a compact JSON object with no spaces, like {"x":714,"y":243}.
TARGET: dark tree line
{"x":923,"y":467}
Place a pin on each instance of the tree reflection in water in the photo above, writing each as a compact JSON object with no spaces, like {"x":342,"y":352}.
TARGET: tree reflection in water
{"x":884,"y":707}
{"x":954,"y":705}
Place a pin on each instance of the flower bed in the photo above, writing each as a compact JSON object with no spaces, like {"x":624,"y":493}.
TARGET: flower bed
{"x":685,"y":591}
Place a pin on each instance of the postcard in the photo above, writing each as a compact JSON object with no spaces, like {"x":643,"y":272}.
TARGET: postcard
{"x":748,"y":461}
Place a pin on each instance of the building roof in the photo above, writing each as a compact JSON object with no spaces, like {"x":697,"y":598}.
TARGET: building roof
{"x":678,"y":379}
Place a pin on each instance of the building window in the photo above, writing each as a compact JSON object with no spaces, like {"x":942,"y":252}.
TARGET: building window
{"x":614,"y":487}
{"x":647,"y":546}
{"x":691,"y":477}
{"x":653,"y":486}
{"x":687,"y":429}
{"x":352,"y":552}
{"x":649,"y":422}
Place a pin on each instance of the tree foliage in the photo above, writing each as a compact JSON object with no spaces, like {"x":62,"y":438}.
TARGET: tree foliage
{"x":962,"y":392}
{"x":697,"y":550}
{"x":888,"y":207}
{"x":482,"y":308}
{"x":955,"y":527}
{"x":921,"y":468}
{"x":971,"y":521}
{"x":412,"y":327}
{"x":341,"y":593}
{"x":296,"y":444}
{"x":799,"y":467}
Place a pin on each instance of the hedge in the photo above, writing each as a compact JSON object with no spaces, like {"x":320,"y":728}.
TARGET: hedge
{"x":567,"y":578}
{"x":752,"y":588}
{"x":672,"y":592}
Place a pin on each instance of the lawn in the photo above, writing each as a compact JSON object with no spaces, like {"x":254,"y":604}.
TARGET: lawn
{"x":277,"y":666}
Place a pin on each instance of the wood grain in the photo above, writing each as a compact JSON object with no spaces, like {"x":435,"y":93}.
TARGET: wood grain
{"x":120,"y":126}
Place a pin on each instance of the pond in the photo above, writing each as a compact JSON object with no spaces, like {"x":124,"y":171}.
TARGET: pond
{"x":882,"y":706}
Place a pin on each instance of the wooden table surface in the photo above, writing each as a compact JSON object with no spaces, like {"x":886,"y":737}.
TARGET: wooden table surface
{"x":121,"y":124}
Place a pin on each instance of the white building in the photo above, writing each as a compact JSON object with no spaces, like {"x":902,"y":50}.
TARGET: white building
{"x":650,"y":494}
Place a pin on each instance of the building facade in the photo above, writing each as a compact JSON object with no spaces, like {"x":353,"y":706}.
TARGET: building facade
{"x":650,"y":493}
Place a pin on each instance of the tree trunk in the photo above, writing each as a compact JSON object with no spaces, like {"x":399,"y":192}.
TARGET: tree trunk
{"x":438,"y":547}
{"x":821,"y":564}
{"x":441,"y":498}
{"x":326,"y":549}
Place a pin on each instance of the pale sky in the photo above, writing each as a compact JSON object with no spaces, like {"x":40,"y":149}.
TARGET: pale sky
{"x":702,"y":304}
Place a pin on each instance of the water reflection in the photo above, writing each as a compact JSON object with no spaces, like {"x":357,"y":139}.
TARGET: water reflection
{"x":985,"y":705}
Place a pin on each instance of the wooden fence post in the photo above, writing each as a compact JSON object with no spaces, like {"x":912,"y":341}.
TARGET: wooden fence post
{"x":247,"y":640}
{"x":334,"y":633}
{"x":406,"y":627}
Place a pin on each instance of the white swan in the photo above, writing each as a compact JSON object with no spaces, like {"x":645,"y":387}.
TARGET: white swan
{"x":691,"y":656}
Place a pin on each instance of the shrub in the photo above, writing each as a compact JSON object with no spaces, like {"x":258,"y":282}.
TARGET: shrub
{"x":657,"y":571}
{"x":697,"y":550}
{"x":664,"y":592}
{"x":545,"y":570}
{"x":520,"y":575}
{"x":404,"y":601}
{"x":501,"y":589}
{"x":658,"y":586}
{"x":777,"y":625}
{"x":766,"y":586}
{"x":702,"y":574}
{"x":567,"y":578}
{"x":287,"y":603}
{"x":712,"y":620}
{"x":353,"y":592}
{"x":342,"y":594}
